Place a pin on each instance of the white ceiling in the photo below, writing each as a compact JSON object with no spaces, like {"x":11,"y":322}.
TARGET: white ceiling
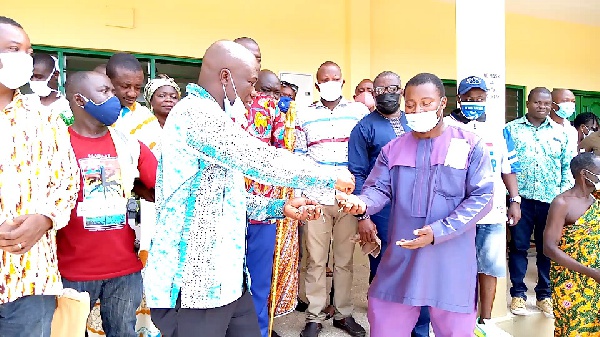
{"x":585,"y":12}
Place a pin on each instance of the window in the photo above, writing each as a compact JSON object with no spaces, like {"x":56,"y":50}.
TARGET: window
{"x":183,"y":70}
{"x":587,"y":101}
{"x":515,"y":100}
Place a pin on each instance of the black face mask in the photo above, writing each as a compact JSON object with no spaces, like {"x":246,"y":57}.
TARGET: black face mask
{"x":388,"y":104}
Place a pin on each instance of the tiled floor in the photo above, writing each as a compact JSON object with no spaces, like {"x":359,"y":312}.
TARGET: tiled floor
{"x":533,"y":325}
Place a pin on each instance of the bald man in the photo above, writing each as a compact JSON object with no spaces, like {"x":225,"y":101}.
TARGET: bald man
{"x":364,"y":93}
{"x":101,"y":68}
{"x":252,"y":46}
{"x":107,"y":158}
{"x":563,"y":107}
{"x":269,"y":84}
{"x":196,"y":260}
{"x":323,"y":132}
{"x":266,"y":123}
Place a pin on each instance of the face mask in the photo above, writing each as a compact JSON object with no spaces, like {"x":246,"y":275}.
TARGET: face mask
{"x":41,"y":88}
{"x":106,"y":112}
{"x":237,"y":110}
{"x":596,"y":185}
{"x":566,"y":109}
{"x":367,"y":99}
{"x":388,"y":104}
{"x":423,"y":121}
{"x":17,"y":69}
{"x":284,"y":103}
{"x":589,"y":132}
{"x":330,"y":91}
{"x":472,"y":110}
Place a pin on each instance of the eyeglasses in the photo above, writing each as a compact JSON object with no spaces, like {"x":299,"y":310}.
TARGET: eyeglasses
{"x":290,"y":85}
{"x":391,"y":89}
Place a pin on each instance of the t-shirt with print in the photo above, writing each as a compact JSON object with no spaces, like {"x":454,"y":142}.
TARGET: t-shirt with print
{"x":97,"y":243}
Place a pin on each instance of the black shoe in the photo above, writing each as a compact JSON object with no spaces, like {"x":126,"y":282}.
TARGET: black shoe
{"x":301,"y":306}
{"x":349,"y":325}
{"x":274,"y":334}
{"x":312,"y":329}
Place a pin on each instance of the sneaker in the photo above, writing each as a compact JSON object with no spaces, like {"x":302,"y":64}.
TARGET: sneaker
{"x":479,"y":328}
{"x":517,"y":306}
{"x":545,"y":306}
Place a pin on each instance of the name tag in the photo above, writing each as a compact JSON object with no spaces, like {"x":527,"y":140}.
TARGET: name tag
{"x":458,"y":154}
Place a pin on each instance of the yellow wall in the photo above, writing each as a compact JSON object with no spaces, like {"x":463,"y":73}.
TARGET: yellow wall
{"x":363,"y":37}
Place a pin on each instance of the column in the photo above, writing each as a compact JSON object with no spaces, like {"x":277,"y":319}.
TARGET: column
{"x":480,"y":51}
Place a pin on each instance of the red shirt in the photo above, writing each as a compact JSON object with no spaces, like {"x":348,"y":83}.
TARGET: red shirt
{"x":98,"y":244}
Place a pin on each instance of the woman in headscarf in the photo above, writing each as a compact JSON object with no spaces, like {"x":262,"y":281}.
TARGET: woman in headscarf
{"x":161,"y":95}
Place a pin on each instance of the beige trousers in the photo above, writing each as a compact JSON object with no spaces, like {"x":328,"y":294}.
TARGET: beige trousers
{"x":318,"y":235}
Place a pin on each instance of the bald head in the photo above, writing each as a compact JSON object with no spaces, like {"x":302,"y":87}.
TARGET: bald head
{"x":365,"y":85}
{"x":101,"y":69}
{"x":228,"y":64}
{"x":251,"y":45}
{"x":269,"y":84}
{"x":562,"y":95}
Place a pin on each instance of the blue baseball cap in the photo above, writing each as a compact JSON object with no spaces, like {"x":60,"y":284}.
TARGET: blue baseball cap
{"x":471,"y":82}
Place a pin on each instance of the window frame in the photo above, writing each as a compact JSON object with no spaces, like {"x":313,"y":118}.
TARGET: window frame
{"x":61,"y":52}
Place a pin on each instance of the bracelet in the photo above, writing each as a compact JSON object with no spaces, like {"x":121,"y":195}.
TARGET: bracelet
{"x":362,"y":217}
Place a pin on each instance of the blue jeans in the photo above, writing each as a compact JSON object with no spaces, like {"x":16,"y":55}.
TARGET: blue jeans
{"x":533,"y":221}
{"x":259,"y":260}
{"x":119,"y":299}
{"x":29,"y":316}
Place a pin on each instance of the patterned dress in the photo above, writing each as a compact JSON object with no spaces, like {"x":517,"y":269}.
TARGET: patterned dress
{"x":576,"y":297}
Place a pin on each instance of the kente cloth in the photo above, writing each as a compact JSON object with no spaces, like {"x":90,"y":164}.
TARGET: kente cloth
{"x":284,"y":292}
{"x":576,"y":297}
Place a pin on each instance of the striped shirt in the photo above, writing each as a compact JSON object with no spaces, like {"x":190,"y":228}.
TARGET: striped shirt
{"x":322,"y":134}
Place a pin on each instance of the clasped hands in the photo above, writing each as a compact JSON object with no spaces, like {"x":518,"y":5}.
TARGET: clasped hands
{"x":352,"y":204}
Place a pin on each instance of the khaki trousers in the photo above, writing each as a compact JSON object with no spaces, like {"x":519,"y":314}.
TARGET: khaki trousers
{"x":318,"y":235}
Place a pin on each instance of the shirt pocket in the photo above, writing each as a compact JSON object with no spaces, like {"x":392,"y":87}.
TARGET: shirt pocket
{"x":450,"y":182}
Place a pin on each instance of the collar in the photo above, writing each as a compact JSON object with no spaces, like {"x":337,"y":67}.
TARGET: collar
{"x":319,"y":104}
{"x":195,"y":90}
{"x":524,"y":120}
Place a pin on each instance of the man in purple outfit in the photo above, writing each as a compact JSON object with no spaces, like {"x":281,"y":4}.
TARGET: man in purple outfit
{"x":439,"y":182}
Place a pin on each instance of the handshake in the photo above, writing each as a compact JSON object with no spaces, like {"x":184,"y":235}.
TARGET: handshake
{"x":304,"y":209}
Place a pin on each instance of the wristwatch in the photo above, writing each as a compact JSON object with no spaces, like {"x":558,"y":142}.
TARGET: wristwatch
{"x":516,"y":199}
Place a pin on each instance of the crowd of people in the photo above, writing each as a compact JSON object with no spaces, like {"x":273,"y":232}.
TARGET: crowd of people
{"x":188,"y":216}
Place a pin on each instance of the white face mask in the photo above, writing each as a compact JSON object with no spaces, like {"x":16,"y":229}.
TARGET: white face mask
{"x":566,"y":109}
{"x":597,"y":184}
{"x":589,"y":131}
{"x":423,"y":121}
{"x":330,"y":91}
{"x":41,"y":88}
{"x":237,"y":110}
{"x":17,"y":69}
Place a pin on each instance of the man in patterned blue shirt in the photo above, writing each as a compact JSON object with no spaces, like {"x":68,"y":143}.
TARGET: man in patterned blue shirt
{"x":542,"y":149}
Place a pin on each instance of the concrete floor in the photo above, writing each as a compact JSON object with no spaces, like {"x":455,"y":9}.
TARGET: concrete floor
{"x":533,"y":325}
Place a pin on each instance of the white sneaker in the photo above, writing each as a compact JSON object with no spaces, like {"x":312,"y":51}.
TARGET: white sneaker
{"x":517,"y":306}
{"x":546,"y":307}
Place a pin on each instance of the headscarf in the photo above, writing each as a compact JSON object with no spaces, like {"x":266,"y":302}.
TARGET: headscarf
{"x":153,"y":85}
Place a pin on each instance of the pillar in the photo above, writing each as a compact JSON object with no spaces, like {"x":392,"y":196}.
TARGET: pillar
{"x":480,"y":51}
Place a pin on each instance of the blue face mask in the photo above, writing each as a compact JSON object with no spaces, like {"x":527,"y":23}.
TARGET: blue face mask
{"x":472,"y":110}
{"x":284,"y":103}
{"x":106,"y":112}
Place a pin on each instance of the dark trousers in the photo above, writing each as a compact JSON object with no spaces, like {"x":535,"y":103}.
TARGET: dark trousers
{"x":533,"y":221}
{"x":119,"y":299}
{"x":237,"y":319}
{"x":381,"y":223}
{"x":260,"y":240}
{"x":29,"y":316}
